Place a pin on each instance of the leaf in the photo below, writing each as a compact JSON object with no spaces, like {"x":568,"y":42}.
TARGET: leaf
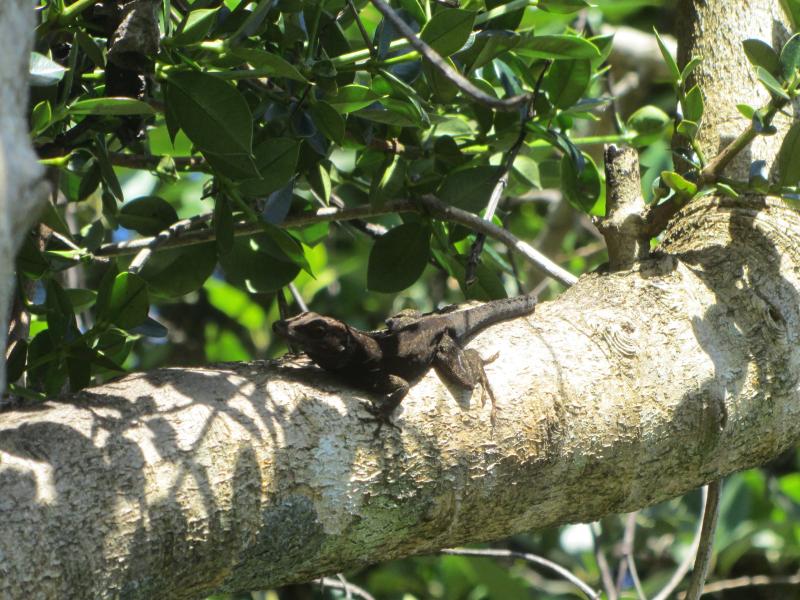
{"x":677,"y":183}
{"x":758,"y":179}
{"x":79,"y":370}
{"x":688,"y":128}
{"x":41,"y":116}
{"x":61,"y":321}
{"x":398,"y":258}
{"x":328,"y":121}
{"x":690,"y":67}
{"x":271,"y":65}
{"x":448,"y":30}
{"x":393,"y":112}
{"x":693,"y":105}
{"x":276,"y":160}
{"x":80,"y":298}
{"x":196,"y":27}
{"x":389,"y":182}
{"x":746,"y":110}
{"x":111,"y":106}
{"x":44,"y":71}
{"x":566,"y":81}
{"x":30,"y":261}
{"x":648,"y":119}
{"x":761,"y":54}
{"x":772,"y":84}
{"x":223,"y":224}
{"x":563,"y":6}
{"x":252,"y":263}
{"x":147,"y":215}
{"x":671,"y":64}
{"x":15,"y":364}
{"x":278,"y":204}
{"x":353,"y":97}
{"x":470,"y":188}
{"x":211,"y":112}
{"x":107,"y":173}
{"x":554,"y":47}
{"x":174,"y":273}
{"x":789,"y":157}
{"x":790,"y":57}
{"x":581,"y":187}
{"x":125,"y":302}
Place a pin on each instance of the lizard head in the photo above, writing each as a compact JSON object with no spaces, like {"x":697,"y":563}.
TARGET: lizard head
{"x":327,"y":341}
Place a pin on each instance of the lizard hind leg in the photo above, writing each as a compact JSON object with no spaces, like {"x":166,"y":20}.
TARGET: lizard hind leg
{"x":465,"y":368}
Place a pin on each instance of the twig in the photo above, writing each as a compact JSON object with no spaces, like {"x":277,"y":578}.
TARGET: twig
{"x":635,"y":576}
{"x":602,"y":561}
{"x":362,"y":29}
{"x":456,"y":78}
{"x":754,"y":581}
{"x":348,"y":587}
{"x":532,"y":558}
{"x":172,"y":232}
{"x":706,"y":547}
{"x":628,"y":538}
{"x":323,"y":215}
{"x":686,"y":563}
{"x":298,"y":297}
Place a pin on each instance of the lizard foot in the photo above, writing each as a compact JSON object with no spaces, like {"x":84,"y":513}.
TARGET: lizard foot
{"x":378,"y":417}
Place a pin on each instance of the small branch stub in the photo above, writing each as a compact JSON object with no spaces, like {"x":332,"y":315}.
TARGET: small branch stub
{"x":623,"y":226}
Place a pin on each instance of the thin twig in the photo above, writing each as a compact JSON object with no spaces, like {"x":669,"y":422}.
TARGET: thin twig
{"x":427,"y":204}
{"x":626,"y":550}
{"x":706,"y":547}
{"x":456,"y":78}
{"x":601,"y":560}
{"x":362,"y":29}
{"x":532,"y":558}
{"x":298,"y":297}
{"x":687,"y":561}
{"x":754,"y":581}
{"x":635,"y":576}
{"x":346,"y":586}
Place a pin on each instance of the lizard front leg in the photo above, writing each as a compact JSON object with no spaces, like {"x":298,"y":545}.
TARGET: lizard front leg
{"x":392,"y":390}
{"x":464,"y":368}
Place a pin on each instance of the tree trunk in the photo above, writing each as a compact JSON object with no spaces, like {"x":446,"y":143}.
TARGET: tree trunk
{"x":633,"y":387}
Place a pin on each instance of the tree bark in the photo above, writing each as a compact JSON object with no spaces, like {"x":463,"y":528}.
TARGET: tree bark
{"x":633,"y":387}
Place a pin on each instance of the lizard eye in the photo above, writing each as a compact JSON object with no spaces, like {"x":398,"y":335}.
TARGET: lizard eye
{"x":316,"y":330}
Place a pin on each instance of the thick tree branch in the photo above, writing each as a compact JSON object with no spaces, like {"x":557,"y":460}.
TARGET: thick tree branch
{"x":247,"y":476}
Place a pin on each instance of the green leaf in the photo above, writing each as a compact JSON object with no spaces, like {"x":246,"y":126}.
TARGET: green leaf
{"x":51,"y":373}
{"x":772,"y":84}
{"x":30,"y":261}
{"x":790,"y":57}
{"x":443,"y":90}
{"x":174,"y":273}
{"x":80,"y":298}
{"x":211,"y":112}
{"x":648,"y":119}
{"x":40,"y":117}
{"x":110,"y":106}
{"x":448,"y":30}
{"x":223,"y":224}
{"x":353,"y":97}
{"x":79,"y":369}
{"x":60,"y":315}
{"x":272,"y":65}
{"x":688,"y":128}
{"x":257,"y":264}
{"x":147,"y":215}
{"x":393,"y":112}
{"x":276,"y":160}
{"x":90,"y":47}
{"x":671,"y":64}
{"x":328,"y":121}
{"x":677,"y":183}
{"x":15,"y":364}
{"x":566,"y":81}
{"x":387,"y":184}
{"x":470,"y":188}
{"x":196,"y":27}
{"x":107,"y":173}
{"x":125,"y":303}
{"x":581,"y":187}
{"x":563,"y":6}
{"x":789,"y":157}
{"x":690,"y":67}
{"x":44,"y":71}
{"x":398,"y":258}
{"x":761,"y":54}
{"x":693,"y":105}
{"x":746,"y":110}
{"x":554,"y":47}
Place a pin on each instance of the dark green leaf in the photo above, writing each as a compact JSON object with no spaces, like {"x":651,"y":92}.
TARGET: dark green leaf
{"x":126,"y":303}
{"x":60,"y":315}
{"x":196,"y":27}
{"x":278,"y":204}
{"x":566,"y":81}
{"x":271,"y":65}
{"x":790,"y":57}
{"x":50,"y":372}
{"x":563,"y":6}
{"x":148,"y":215}
{"x":276,"y":160}
{"x":393,"y":112}
{"x":80,"y":298}
{"x":211,"y":112}
{"x":15,"y":364}
{"x":470,"y":188}
{"x":151,"y":328}
{"x":252,"y":263}
{"x":398,"y":258}
{"x":693,"y":105}
{"x":671,"y":64}
{"x":110,"y":106}
{"x":487,"y":46}
{"x":761,"y":54}
{"x":554,"y":47}
{"x":78,"y":368}
{"x":581,"y":187}
{"x":223,"y":224}
{"x":91,"y":48}
{"x":107,"y":173}
{"x":353,"y":97}
{"x":174,"y":273}
{"x":789,"y":157}
{"x":328,"y":121}
{"x":677,"y":183}
{"x":30,"y":261}
{"x":44,"y":71}
{"x":448,"y":30}
{"x":442,"y":88}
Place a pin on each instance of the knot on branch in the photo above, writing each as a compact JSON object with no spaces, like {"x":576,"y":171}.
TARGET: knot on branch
{"x":623,"y":227}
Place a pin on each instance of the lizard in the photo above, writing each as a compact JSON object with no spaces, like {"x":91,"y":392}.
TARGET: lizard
{"x":388,"y":361}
